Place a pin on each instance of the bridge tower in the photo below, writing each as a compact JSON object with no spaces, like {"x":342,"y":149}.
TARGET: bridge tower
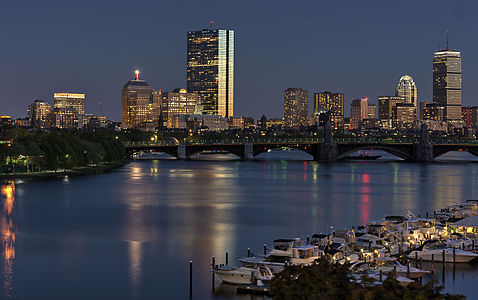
{"x":423,"y":150}
{"x":327,"y":149}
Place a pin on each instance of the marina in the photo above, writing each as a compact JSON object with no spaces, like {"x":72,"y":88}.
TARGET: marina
{"x":387,"y":247}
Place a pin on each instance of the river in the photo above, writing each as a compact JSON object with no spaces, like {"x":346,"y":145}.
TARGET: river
{"x":130,"y":233}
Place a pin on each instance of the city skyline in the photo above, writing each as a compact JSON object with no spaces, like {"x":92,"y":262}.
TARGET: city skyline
{"x":265,"y":65}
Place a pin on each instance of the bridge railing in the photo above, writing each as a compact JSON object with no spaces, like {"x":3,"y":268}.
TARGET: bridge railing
{"x":304,"y":140}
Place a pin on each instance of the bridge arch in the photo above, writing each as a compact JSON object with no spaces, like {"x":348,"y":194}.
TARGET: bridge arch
{"x":391,"y":150}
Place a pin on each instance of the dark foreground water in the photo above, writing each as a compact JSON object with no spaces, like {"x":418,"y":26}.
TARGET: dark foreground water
{"x":130,"y":234}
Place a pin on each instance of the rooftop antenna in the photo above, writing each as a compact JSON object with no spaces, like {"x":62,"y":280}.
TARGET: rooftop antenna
{"x":101,"y":108}
{"x":210,"y":23}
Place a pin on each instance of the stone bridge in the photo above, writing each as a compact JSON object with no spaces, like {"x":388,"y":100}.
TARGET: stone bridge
{"x":324,"y":149}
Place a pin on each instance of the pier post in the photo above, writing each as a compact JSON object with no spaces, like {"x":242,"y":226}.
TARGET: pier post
{"x":433,"y":263}
{"x":408,"y":270}
{"x":443,"y":257}
{"x":265,"y":249}
{"x":227,"y":258}
{"x":182,"y":151}
{"x":327,"y":149}
{"x":248,"y":252}
{"x":454,"y":256}
{"x":381,"y":274}
{"x":191,"y":279}
{"x":249,"y":151}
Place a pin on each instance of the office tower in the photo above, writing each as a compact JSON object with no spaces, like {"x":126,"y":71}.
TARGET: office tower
{"x":70,"y":100}
{"x":210,"y":70}
{"x":432,"y":111}
{"x":359,"y":110}
{"x":38,"y":112}
{"x":334,"y":104}
{"x":296,"y":107}
{"x":140,"y":105}
{"x":405,"y":113}
{"x":447,"y":83}
{"x":407,"y":89}
{"x":386,"y":105}
{"x":177,"y":102}
{"x":372,"y":108}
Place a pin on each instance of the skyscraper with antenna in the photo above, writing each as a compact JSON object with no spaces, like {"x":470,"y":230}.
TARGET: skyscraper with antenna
{"x":447,"y":81}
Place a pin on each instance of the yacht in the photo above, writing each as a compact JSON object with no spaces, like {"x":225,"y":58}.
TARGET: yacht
{"x":461,"y":256}
{"x":244,"y":275}
{"x":389,"y":264}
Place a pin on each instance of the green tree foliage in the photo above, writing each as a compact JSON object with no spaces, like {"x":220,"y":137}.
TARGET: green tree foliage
{"x":25,"y":150}
{"x":323,"y":280}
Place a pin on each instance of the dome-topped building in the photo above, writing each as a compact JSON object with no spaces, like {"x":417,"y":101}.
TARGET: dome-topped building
{"x":407,"y":89}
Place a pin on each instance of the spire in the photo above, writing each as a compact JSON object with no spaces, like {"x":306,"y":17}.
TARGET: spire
{"x":136,"y":75}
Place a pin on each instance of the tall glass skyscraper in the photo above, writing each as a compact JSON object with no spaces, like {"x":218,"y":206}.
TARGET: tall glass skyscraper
{"x":210,"y":70}
{"x":407,"y":89}
{"x":447,"y":82}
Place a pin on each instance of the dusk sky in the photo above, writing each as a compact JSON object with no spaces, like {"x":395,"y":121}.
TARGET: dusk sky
{"x":360,"y":48}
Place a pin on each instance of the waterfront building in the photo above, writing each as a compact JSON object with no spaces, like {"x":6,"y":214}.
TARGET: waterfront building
{"x":202,"y":122}
{"x":6,"y":120}
{"x":334,"y":104}
{"x":23,"y":122}
{"x":359,"y":110}
{"x":296,"y":107}
{"x":275,"y":123}
{"x":140,"y":105}
{"x":372,"y":108}
{"x":177,"y":102}
{"x":210,"y":70}
{"x":432,"y":111}
{"x":447,"y":83}
{"x":386,"y":105}
{"x":38,"y":112}
{"x":94,"y":121}
{"x":249,"y":122}
{"x":407,"y":89}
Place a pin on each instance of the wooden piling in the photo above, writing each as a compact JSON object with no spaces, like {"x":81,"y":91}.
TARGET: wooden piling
{"x":454,"y":256}
{"x":433,"y":263}
{"x":191,"y":279}
{"x":408,"y":270}
{"x":227,"y":258}
{"x":265,"y":249}
{"x":381,"y":274}
{"x":248,"y":252}
{"x":443,"y":258}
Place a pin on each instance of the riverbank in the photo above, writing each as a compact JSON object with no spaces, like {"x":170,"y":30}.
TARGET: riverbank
{"x":90,"y":170}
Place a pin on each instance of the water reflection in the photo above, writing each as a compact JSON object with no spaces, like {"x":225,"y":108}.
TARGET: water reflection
{"x":7,"y":237}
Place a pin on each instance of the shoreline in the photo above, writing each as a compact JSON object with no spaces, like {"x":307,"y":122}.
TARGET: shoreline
{"x":90,"y":170}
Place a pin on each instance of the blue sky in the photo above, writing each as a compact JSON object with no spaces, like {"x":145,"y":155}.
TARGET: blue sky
{"x":360,"y":48}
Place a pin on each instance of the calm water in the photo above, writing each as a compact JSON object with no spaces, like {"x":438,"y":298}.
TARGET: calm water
{"x":130,"y":234}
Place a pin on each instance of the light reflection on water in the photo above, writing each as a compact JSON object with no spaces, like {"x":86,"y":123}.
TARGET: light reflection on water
{"x":7,"y":238}
{"x":141,"y":225}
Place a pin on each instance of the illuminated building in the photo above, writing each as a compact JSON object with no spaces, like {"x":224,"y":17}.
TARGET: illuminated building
{"x":432,"y":111}
{"x":320,"y":117}
{"x":359,"y":110}
{"x":236,"y":122}
{"x":210,"y":70}
{"x":372,"y":108}
{"x":203,"y":122}
{"x":405,"y":114}
{"x":140,"y":105}
{"x":177,"y":102}
{"x":63,"y":118}
{"x":94,"y":121}
{"x":386,"y":105}
{"x":407,"y":89}
{"x":296,"y":107}
{"x":6,"y":120}
{"x":334,"y":104}
{"x":469,"y":115}
{"x":274,"y":123}
{"x":447,"y":83}
{"x":70,"y":100}
{"x":38,"y":112}
{"x":249,"y":122}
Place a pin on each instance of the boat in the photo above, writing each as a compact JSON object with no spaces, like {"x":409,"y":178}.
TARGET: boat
{"x":437,"y":250}
{"x":389,"y":264}
{"x":285,"y":252}
{"x":244,"y":275}
{"x":361,"y":270}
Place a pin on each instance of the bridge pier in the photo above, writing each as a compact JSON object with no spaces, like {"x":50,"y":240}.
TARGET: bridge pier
{"x":182,"y":151}
{"x":327,"y":152}
{"x":423,"y":152}
{"x":248,"y":151}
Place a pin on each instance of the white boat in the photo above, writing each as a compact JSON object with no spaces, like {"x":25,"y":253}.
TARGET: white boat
{"x":389,"y":264}
{"x":275,"y":267}
{"x":243,"y":275}
{"x":461,"y":256}
{"x":362,"y":269}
